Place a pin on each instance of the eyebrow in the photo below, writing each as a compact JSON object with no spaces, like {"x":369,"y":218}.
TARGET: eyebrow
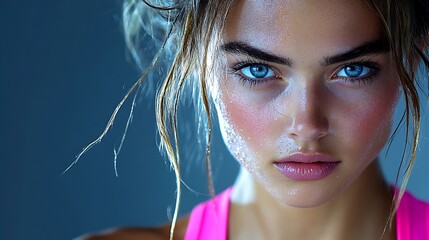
{"x":367,"y":48}
{"x":246,"y":49}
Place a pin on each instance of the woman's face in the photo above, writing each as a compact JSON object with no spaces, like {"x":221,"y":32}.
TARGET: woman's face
{"x":307,"y":101}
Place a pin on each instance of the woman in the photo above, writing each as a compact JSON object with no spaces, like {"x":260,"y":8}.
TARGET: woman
{"x":305,"y":93}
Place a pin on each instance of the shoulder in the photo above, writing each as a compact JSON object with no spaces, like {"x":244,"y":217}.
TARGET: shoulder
{"x":127,"y":233}
{"x":157,"y":233}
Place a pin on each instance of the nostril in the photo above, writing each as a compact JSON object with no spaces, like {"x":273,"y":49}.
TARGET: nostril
{"x":308,"y":130}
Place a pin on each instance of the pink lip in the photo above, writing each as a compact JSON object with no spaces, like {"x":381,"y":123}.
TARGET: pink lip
{"x":307,"y":167}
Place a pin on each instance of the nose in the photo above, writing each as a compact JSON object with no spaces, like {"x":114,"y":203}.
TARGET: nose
{"x":307,"y":112}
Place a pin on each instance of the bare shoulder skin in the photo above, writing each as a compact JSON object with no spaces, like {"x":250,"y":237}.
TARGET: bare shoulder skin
{"x":160,"y":233}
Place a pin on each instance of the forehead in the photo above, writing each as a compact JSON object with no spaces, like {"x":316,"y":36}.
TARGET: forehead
{"x":276,"y":25}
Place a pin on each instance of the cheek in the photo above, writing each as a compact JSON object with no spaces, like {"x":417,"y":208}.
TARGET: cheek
{"x":246,"y":123}
{"x":367,"y":125}
{"x":251,"y":121}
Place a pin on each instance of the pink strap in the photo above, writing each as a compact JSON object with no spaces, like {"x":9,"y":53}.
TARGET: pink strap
{"x":209,"y":220}
{"x":412,"y":219}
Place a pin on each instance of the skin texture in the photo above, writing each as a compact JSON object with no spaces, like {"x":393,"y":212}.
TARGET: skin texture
{"x":307,"y":107}
{"x":303,"y":106}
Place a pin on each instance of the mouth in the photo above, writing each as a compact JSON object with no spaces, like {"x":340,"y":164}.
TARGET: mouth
{"x":307,"y":167}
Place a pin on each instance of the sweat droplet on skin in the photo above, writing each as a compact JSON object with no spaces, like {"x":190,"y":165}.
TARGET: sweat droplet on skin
{"x":293,"y":192}
{"x":235,"y":143}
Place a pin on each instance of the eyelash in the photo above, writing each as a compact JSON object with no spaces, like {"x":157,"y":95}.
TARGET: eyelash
{"x":235,"y":70}
{"x":374,"y":69}
{"x":373,"y":66}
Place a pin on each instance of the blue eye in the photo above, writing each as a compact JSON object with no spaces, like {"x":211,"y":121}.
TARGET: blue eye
{"x":255,"y":71}
{"x":354,"y":71}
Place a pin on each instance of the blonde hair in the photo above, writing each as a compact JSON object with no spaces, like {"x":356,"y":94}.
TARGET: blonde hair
{"x":406,"y":25}
{"x":189,"y":32}
{"x":191,"y":35}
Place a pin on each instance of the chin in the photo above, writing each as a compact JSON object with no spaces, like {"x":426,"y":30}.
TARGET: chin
{"x":307,"y":195}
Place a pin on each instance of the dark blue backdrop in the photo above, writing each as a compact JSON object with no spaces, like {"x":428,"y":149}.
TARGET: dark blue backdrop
{"x":63,"y":68}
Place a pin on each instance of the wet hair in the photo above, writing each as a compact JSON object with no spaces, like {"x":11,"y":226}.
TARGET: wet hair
{"x":188,"y":33}
{"x":406,"y":25}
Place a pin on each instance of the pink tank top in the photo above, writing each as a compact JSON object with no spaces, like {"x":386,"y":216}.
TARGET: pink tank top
{"x":209,"y":220}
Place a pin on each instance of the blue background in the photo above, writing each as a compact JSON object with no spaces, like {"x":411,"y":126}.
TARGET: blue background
{"x":63,"y":69}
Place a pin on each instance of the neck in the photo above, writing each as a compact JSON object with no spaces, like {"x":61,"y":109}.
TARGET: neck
{"x":361,"y":211}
